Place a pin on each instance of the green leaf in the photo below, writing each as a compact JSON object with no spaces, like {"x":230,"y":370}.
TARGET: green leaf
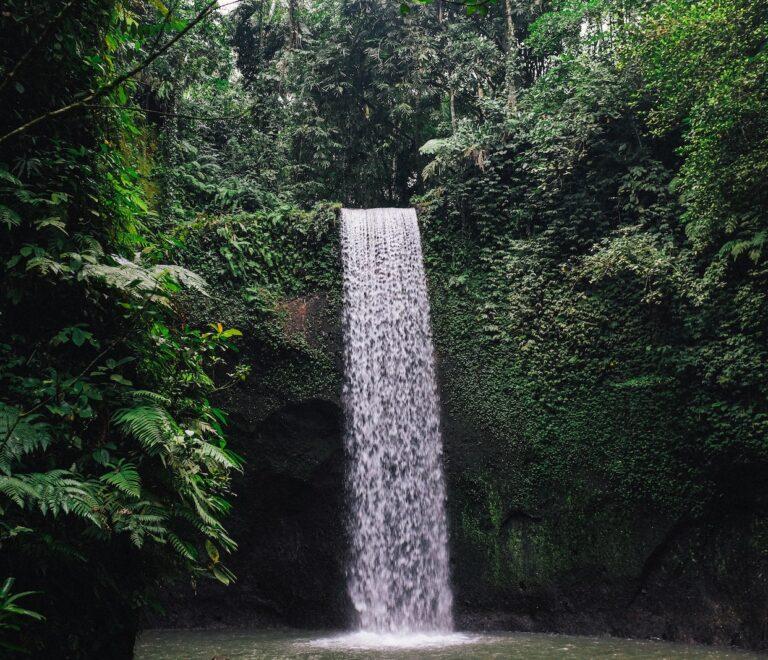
{"x":220,"y":575}
{"x":160,"y":6}
{"x":21,"y":435}
{"x":54,"y":222}
{"x":101,"y":456}
{"x":79,"y":336}
{"x":9,"y":217}
{"x":212,"y":551}
{"x":5,"y":175}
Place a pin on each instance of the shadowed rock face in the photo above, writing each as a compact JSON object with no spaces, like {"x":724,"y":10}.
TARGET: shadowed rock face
{"x":288,"y":522}
{"x":292,"y":536}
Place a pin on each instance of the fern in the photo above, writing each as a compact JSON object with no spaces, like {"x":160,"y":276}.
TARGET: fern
{"x":142,"y":520}
{"x":219,"y":455}
{"x":9,"y":217}
{"x":183,"y":548}
{"x":143,"y":281}
{"x":183,"y":276}
{"x":19,"y":436}
{"x":147,"y":395}
{"x":125,"y":478}
{"x":54,"y":493}
{"x":17,"y":489}
{"x":201,"y":506}
{"x":151,"y":425}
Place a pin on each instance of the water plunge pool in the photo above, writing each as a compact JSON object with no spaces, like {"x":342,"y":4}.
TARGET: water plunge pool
{"x":273,"y":644}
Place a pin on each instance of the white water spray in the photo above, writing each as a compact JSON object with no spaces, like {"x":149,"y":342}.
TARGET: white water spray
{"x":398,"y":575}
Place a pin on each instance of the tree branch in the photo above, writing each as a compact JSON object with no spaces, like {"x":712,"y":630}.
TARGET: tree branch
{"x":107,"y":88}
{"x":163,"y":25}
{"x":241,"y":115}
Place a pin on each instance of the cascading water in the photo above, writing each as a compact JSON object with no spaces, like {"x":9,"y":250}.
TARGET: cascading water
{"x":398,"y":575}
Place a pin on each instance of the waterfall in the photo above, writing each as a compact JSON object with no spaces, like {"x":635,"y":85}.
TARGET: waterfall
{"x":398,"y":576}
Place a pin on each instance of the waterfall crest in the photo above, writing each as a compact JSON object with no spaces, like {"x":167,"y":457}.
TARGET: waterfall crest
{"x":398,"y":576}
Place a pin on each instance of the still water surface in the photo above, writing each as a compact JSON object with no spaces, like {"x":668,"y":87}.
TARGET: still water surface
{"x":273,"y":645}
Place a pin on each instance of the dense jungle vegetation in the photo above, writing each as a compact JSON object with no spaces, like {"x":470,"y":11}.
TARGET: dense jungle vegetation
{"x":591,"y":181}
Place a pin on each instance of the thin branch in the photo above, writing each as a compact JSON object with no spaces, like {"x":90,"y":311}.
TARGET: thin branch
{"x":52,"y":25}
{"x":461,"y":3}
{"x":228,"y":4}
{"x":40,"y":404}
{"x":161,"y":32}
{"x":106,"y":89}
{"x":241,"y":115}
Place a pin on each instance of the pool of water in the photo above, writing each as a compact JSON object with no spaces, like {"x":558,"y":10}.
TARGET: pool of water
{"x":272,"y":644}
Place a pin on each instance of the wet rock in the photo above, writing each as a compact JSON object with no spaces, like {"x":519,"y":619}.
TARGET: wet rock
{"x":288,"y":522}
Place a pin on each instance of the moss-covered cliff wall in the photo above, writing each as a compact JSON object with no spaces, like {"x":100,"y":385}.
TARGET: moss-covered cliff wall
{"x":585,"y":489}
{"x":571,"y":506}
{"x":546,"y":531}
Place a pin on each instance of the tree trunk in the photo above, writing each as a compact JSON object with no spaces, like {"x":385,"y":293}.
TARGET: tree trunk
{"x":293,"y":20}
{"x":261,"y":31}
{"x":513,"y":48}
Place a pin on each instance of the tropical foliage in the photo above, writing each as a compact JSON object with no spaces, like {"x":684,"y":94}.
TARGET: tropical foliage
{"x":114,"y":469}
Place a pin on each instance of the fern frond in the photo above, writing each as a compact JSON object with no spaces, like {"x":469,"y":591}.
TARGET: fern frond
{"x":151,"y":425}
{"x":17,"y":489}
{"x":183,"y":548}
{"x":55,"y":492}
{"x":219,"y":455}
{"x":183,"y":276}
{"x":19,"y":436}
{"x":206,"y":516}
{"x":188,"y":515}
{"x":125,"y":478}
{"x":9,"y":217}
{"x":148,"y":395}
{"x":129,"y":276}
